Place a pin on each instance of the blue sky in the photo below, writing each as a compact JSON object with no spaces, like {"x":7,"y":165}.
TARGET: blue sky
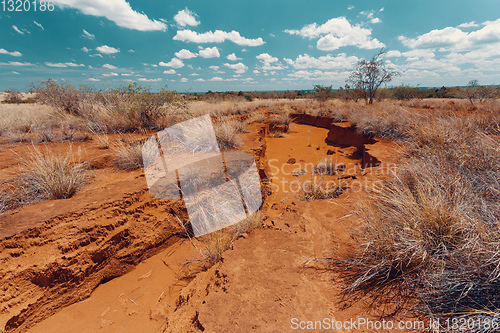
{"x":199,"y":45}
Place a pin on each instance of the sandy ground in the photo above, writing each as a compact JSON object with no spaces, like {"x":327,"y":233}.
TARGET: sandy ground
{"x":111,"y":258}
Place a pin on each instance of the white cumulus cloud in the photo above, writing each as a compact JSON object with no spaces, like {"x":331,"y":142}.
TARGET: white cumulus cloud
{"x":186,"y":17}
{"x":336,"y":33}
{"x":218,"y":36}
{"x":174,"y":63}
{"x":170,"y":71}
{"x":269,"y":62}
{"x":72,"y":64}
{"x":232,"y":57}
{"x":317,"y":75}
{"x":451,"y":50}
{"x":62,"y":65}
{"x":16,"y":63}
{"x":468,"y":25}
{"x":107,"y":49}
{"x":305,"y":61}
{"x":393,"y":53}
{"x":13,"y":53}
{"x":185,"y":54}
{"x":50,"y":64}
{"x":451,"y":38}
{"x":118,"y":11}
{"x":108,"y":66}
{"x":209,"y":52}
{"x":265,"y":57}
{"x":446,"y":37}
{"x":149,"y":80}
{"x":239,"y":68}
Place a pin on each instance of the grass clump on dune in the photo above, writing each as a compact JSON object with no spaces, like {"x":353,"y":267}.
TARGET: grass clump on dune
{"x":129,"y":156}
{"x":43,"y":176}
{"x":429,"y":238}
{"x":317,"y":187}
{"x":226,"y":132}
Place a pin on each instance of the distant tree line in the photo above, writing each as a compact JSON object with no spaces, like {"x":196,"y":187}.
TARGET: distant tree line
{"x":472,"y":92}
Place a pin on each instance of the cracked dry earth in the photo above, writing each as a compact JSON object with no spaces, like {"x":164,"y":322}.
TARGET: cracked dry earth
{"x":111,"y":258}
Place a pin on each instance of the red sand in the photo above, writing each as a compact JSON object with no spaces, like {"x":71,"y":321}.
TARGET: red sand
{"x":110,"y":258}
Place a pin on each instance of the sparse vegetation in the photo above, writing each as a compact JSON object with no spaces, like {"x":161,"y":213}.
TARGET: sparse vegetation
{"x":369,"y":75}
{"x":43,"y":176}
{"x":283,"y":119}
{"x":64,"y":98}
{"x":102,"y":141}
{"x":475,"y":92}
{"x":323,"y":93}
{"x":126,"y":108}
{"x":12,"y":97}
{"x":128,"y":156}
{"x":212,"y":246}
{"x":256,"y":116}
{"x":277,"y":134}
{"x":428,"y":237}
{"x":326,"y":167}
{"x":318,"y":187}
{"x":226,"y":132}
{"x":403,"y":92}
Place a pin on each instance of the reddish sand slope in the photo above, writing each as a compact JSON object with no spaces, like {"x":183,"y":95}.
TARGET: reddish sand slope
{"x":133,"y":242}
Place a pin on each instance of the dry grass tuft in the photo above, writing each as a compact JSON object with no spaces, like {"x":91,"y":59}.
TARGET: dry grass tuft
{"x":216,"y":243}
{"x":429,"y":238}
{"x":43,"y":176}
{"x":212,"y":246}
{"x":25,"y":118}
{"x":326,"y":167}
{"x":256,"y":117}
{"x":283,"y":118}
{"x":281,"y":121}
{"x":317,"y":188}
{"x":102,"y":141}
{"x":253,"y":221}
{"x":128,"y":156}
{"x":277,"y":134}
{"x":226,"y":132}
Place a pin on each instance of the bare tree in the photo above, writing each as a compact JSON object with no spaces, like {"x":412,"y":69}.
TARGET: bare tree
{"x":368,"y":75}
{"x":475,"y":91}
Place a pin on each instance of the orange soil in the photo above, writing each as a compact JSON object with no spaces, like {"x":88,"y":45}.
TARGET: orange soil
{"x":110,"y":258}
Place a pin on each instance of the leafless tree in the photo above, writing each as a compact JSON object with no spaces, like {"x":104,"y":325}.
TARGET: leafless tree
{"x":368,"y":75}
{"x":474,"y":91}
